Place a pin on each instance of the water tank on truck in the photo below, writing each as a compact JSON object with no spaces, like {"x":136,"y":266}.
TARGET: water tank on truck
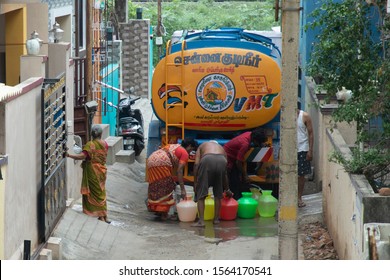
{"x":215,"y":84}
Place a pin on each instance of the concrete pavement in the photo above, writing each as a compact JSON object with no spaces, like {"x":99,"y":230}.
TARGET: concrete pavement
{"x":134,"y":233}
{"x":86,"y":238}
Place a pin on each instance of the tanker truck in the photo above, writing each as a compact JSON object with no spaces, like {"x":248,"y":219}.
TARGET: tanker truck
{"x":214,"y":85}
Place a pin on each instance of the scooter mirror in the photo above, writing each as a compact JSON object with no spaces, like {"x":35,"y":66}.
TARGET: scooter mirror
{"x":131,"y":90}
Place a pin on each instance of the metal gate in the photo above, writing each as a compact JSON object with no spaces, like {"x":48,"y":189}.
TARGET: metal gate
{"x":52,"y":195}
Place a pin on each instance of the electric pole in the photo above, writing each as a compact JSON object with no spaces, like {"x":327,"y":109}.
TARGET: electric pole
{"x":288,"y":187}
{"x":159,"y":27}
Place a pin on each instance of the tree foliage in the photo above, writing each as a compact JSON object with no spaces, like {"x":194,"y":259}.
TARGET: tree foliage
{"x":203,"y":14}
{"x":180,"y":15}
{"x":351,"y":50}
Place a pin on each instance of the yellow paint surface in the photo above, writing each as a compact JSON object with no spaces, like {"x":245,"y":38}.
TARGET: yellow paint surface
{"x":15,"y":39}
{"x":223,"y":89}
{"x":287,"y":213}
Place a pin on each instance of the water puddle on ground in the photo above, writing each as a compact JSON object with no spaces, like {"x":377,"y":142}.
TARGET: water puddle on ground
{"x":229,"y":230}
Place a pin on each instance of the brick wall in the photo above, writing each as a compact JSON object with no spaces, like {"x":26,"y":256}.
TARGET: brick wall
{"x":135,"y":56}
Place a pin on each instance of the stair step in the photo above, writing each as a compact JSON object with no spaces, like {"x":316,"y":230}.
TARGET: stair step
{"x":115,"y":144}
{"x":125,"y":156}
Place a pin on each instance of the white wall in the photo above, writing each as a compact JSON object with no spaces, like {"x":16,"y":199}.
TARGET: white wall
{"x":344,"y":207}
{"x":23,"y":146}
{"x":349,"y":201}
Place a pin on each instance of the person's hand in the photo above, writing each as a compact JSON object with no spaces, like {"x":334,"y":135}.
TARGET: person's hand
{"x":309,"y":155}
{"x":228,"y":193}
{"x":183,"y":194}
{"x":66,"y":154}
{"x":246,"y":179}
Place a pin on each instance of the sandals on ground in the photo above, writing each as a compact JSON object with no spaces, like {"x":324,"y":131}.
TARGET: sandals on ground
{"x":104,"y":219}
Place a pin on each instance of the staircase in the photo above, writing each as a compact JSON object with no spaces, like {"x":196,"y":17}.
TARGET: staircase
{"x":115,"y":148}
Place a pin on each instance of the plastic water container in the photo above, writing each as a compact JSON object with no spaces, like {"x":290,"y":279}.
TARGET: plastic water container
{"x":247,"y":206}
{"x":267,"y":204}
{"x":187,"y":209}
{"x":229,"y":207}
{"x":209,"y":208}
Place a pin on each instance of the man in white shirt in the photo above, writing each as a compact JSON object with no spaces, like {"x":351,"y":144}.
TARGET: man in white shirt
{"x":305,"y":140}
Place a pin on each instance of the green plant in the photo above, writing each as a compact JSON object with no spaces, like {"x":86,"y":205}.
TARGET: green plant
{"x":202,"y":14}
{"x":372,"y":163}
{"x":351,"y":50}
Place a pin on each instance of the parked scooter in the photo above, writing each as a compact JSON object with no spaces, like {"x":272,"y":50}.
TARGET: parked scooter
{"x":130,"y":124}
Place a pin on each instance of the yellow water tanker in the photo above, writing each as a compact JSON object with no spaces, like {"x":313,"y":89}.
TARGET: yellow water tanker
{"x":217,"y":88}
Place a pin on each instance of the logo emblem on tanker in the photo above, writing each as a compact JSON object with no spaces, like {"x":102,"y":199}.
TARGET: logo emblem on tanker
{"x":174,"y":95}
{"x":215,"y":93}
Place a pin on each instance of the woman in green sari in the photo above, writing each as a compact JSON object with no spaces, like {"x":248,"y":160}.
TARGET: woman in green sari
{"x":93,"y":185}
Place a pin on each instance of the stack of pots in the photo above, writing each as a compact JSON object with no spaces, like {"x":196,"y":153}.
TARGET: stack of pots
{"x":245,"y":208}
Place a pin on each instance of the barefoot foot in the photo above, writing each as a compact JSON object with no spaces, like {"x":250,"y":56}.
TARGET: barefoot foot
{"x":301,"y":204}
{"x":198,"y":224}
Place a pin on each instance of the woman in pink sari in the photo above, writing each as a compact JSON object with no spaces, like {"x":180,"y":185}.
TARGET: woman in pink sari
{"x":160,"y":167}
